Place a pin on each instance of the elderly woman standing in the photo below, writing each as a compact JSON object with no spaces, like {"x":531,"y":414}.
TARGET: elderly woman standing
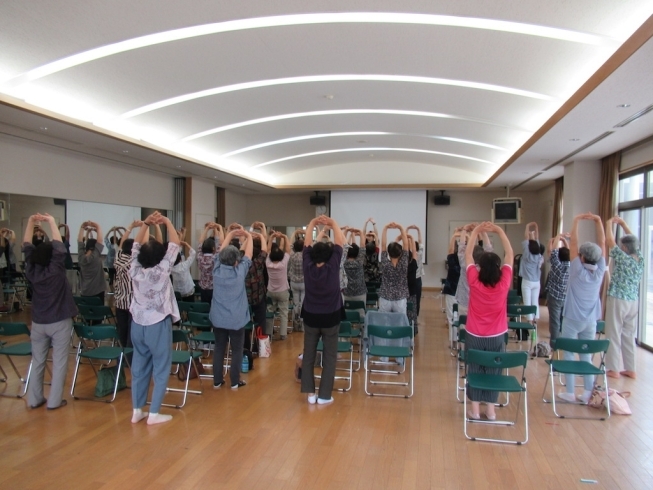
{"x":583,"y":304}
{"x":622,"y":306}
{"x":153,"y":310}
{"x":393,"y":294}
{"x":486,"y":317}
{"x":530,"y":269}
{"x":52,"y":311}
{"x":229,"y":309}
{"x":322,"y":310}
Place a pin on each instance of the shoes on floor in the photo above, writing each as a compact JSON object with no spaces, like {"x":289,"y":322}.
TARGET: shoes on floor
{"x":219,"y":385}
{"x":312,"y":399}
{"x":585,"y":397}
{"x":62,"y":404}
{"x":472,"y":416}
{"x":322,"y":401}
{"x":492,"y":417}
{"x":568,"y":397}
{"x":284,"y":337}
{"x":240,"y":384}
{"x":39,"y":404}
{"x":629,"y":374}
{"x":613,"y":374}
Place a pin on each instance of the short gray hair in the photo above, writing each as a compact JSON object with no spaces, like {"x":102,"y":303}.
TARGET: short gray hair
{"x":229,"y":255}
{"x":630,"y":243}
{"x":590,"y":252}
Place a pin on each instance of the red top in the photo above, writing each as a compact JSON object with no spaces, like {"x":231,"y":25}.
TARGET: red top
{"x":487,"y":313}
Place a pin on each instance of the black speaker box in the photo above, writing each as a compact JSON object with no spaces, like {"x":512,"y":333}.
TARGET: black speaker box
{"x":442,"y":200}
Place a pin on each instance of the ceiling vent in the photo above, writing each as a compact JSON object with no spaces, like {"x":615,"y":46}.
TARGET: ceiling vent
{"x":634,"y":117}
{"x":527,"y":180}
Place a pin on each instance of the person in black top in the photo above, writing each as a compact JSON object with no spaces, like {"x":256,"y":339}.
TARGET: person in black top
{"x":453,"y":274}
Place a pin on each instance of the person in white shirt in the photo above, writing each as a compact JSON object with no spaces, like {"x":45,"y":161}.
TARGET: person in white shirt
{"x":182,"y":281}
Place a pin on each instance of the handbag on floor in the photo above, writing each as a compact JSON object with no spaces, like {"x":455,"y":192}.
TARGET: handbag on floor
{"x":616,"y":399}
{"x":263,"y":341}
{"x":106,"y":380}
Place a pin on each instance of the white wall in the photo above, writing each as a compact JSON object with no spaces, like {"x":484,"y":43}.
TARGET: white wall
{"x":281,"y":209}
{"x":41,"y":170}
{"x":581,"y":194}
{"x":235,"y":208}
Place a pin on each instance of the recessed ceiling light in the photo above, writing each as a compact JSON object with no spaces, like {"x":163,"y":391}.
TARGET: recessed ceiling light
{"x":623,"y":105}
{"x":362,"y":141}
{"x":43,"y":128}
{"x":125,"y":151}
{"x":329,"y":96}
{"x":371,"y":155}
{"x":574,"y":139}
{"x":178,"y":166}
{"x":243,"y":185}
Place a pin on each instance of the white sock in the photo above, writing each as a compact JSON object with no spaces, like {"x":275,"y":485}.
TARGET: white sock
{"x":138,"y":415}
{"x":158,"y":418}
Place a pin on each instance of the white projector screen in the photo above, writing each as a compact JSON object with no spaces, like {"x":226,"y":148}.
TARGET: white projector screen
{"x":353,"y":208}
{"x":106,"y":215}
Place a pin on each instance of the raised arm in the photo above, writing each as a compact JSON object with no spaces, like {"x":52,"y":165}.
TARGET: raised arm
{"x":29,"y":229}
{"x":205,"y":232}
{"x":527,"y":230}
{"x":158,"y":235}
{"x":619,"y":220}
{"x":310,"y":228}
{"x":338,"y":236}
{"x":384,"y":238}
{"x":144,"y":232}
{"x":452,"y":241}
{"x":469,"y":251}
{"x":98,"y":229}
{"x":600,"y":233}
{"x":82,"y":229}
{"x":249,"y":245}
{"x":128,"y":230}
{"x":419,"y":232}
{"x":609,"y":232}
{"x":173,"y":237}
{"x":509,"y":256}
{"x":286,"y":244}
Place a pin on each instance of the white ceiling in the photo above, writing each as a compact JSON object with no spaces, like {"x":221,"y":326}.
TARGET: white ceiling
{"x":289,"y":94}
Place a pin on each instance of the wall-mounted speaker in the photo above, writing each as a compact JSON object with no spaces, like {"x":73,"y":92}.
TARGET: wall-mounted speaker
{"x":442,"y":200}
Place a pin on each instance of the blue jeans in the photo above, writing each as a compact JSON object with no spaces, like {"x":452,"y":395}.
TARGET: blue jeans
{"x":585,"y":330}
{"x":152,"y":359}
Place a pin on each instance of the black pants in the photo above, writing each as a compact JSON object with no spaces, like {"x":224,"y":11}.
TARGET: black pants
{"x":123,"y":325}
{"x":206,"y":295}
{"x":329,"y":338}
{"x":418,"y":294}
{"x":237,"y":338}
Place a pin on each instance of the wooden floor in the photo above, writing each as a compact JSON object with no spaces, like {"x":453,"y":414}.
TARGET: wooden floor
{"x":266,"y":436}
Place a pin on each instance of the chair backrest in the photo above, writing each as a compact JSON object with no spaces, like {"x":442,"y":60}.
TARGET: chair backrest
{"x":410,"y":306}
{"x":354,"y":305}
{"x":345,"y":328}
{"x":518,"y":310}
{"x":93,"y":312}
{"x":454,"y":307}
{"x":499,"y":360}
{"x":372,"y":296}
{"x":462,"y":320}
{"x":96,"y":332}
{"x":9,"y":329}
{"x":462,"y":334}
{"x":513,"y":292}
{"x":199,"y":319}
{"x":581,"y":346}
{"x":353,"y":316}
{"x":600,"y":326}
{"x":389,"y":332}
{"x":188,"y":306}
{"x":87,"y":300}
{"x":179,"y":336}
{"x":514,"y":300}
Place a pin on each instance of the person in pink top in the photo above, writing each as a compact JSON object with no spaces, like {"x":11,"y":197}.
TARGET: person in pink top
{"x":278,"y":287}
{"x":489,"y":283}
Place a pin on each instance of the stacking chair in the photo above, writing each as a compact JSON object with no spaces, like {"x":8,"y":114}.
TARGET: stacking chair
{"x":372,"y":301}
{"x":203,"y":334}
{"x":577,"y":367}
{"x":87,"y":300}
{"x":452,"y":333}
{"x":600,"y":332}
{"x":344,"y":347}
{"x":19,"y":349}
{"x":355,"y":328}
{"x":502,"y":383}
{"x":93,"y":314}
{"x":89,"y":348}
{"x":516,"y":311}
{"x":455,"y":327}
{"x":181,"y":356}
{"x":403,"y":352}
{"x":187,"y":306}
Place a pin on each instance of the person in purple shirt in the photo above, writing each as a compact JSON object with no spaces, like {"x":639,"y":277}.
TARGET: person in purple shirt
{"x":322,"y":309}
{"x":52,"y":310}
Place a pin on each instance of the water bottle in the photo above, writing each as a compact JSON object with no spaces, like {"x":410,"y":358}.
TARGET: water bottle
{"x":245,"y":365}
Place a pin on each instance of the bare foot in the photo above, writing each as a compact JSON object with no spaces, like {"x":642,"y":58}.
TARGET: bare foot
{"x":612,"y":374}
{"x":629,"y":374}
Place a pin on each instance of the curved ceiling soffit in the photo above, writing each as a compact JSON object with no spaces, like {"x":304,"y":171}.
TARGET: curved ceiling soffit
{"x":374,"y":149}
{"x":357,"y":133}
{"x":306,"y":19}
{"x":393,"y":112}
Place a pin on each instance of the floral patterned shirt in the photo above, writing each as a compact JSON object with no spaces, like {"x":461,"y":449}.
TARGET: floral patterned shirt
{"x":153,"y":298}
{"x":205,"y":265}
{"x":626,"y":275}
